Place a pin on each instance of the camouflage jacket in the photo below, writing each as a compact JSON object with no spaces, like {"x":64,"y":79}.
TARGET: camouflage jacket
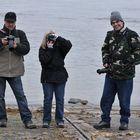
{"x":121,"y":50}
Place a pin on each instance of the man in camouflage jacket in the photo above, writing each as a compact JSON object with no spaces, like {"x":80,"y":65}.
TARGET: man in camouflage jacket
{"x":120,"y":53}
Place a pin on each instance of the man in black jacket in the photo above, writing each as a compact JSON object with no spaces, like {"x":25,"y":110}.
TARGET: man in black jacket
{"x":13,"y":46}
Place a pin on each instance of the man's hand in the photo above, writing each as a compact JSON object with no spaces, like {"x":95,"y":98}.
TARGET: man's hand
{"x":106,"y":65}
{"x":50,"y":44}
{"x":4,"y":41}
{"x":14,"y":45}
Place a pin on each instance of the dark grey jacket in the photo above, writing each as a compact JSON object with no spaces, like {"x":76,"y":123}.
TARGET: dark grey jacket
{"x":11,"y":61}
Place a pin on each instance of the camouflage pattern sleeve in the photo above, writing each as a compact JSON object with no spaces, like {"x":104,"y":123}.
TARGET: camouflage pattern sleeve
{"x":135,"y":44}
{"x":105,"y":50}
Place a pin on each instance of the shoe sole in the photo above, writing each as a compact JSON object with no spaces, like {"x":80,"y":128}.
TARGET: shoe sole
{"x":123,"y":129}
{"x":33,"y":127}
{"x":3,"y":126}
{"x":99,"y":128}
{"x":60,"y":126}
{"x":45,"y":126}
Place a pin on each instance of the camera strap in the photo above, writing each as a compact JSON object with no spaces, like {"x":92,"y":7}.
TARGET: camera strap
{"x":2,"y":31}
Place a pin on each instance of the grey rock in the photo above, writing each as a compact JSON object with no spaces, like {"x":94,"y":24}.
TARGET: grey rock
{"x":101,"y":138}
{"x":84,"y":102}
{"x":74,"y":101}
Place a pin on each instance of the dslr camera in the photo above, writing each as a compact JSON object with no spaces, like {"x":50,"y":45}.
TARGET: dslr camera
{"x":52,"y":37}
{"x":103,"y":70}
{"x":10,"y":39}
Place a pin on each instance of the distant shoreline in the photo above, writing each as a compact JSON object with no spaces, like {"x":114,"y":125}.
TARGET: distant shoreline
{"x":97,"y":107}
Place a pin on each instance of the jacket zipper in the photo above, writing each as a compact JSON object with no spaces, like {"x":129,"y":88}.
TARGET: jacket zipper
{"x":9,"y":63}
{"x":9,"y":58}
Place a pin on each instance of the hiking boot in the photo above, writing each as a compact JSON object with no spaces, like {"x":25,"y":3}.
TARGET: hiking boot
{"x":46,"y":125}
{"x":3,"y":123}
{"x":101,"y":125}
{"x":29,"y":125}
{"x":60,"y":125}
{"x":123,"y":126}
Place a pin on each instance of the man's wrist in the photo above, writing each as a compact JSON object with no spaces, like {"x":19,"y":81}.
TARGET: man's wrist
{"x":15,"y":45}
{"x":106,"y":65}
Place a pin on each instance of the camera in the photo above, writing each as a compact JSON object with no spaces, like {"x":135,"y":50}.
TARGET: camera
{"x":52,"y":37}
{"x":103,"y":70}
{"x":10,"y":39}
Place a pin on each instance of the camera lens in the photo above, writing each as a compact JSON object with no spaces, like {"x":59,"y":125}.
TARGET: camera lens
{"x":51,"y":38}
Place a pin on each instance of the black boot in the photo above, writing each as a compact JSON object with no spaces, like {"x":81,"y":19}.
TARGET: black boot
{"x":123,"y":126}
{"x":60,"y":125}
{"x":3,"y":123}
{"x":46,"y":125}
{"x":30,"y":125}
{"x":102,"y":125}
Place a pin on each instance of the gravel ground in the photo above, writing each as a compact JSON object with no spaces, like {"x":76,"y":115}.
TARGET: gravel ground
{"x":81,"y":116}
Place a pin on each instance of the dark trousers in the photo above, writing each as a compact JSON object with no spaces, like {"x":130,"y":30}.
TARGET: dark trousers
{"x":16,"y":85}
{"x":59,"y":90}
{"x":123,"y":88}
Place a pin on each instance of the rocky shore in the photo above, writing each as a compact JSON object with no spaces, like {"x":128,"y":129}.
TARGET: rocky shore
{"x":79,"y":120}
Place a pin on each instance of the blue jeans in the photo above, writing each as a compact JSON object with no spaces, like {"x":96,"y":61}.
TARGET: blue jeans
{"x":123,"y":88}
{"x":16,"y":85}
{"x":59,"y":90}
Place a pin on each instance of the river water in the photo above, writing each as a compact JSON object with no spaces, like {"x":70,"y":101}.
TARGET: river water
{"x":85,"y":23}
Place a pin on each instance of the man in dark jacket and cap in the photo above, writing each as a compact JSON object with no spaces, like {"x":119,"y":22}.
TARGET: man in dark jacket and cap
{"x":13,"y":46}
{"x":120,"y":54}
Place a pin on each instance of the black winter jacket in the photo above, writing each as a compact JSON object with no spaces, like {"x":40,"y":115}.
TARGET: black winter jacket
{"x":52,"y":61}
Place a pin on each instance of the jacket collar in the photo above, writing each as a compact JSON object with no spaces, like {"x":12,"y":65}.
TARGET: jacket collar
{"x":7,"y":31}
{"x":122,"y":31}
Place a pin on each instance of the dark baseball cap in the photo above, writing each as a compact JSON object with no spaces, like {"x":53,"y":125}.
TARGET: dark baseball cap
{"x":10,"y":16}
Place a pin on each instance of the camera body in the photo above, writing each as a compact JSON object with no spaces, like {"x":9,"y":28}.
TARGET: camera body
{"x":103,"y":70}
{"x":52,"y":37}
{"x":10,"y":39}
